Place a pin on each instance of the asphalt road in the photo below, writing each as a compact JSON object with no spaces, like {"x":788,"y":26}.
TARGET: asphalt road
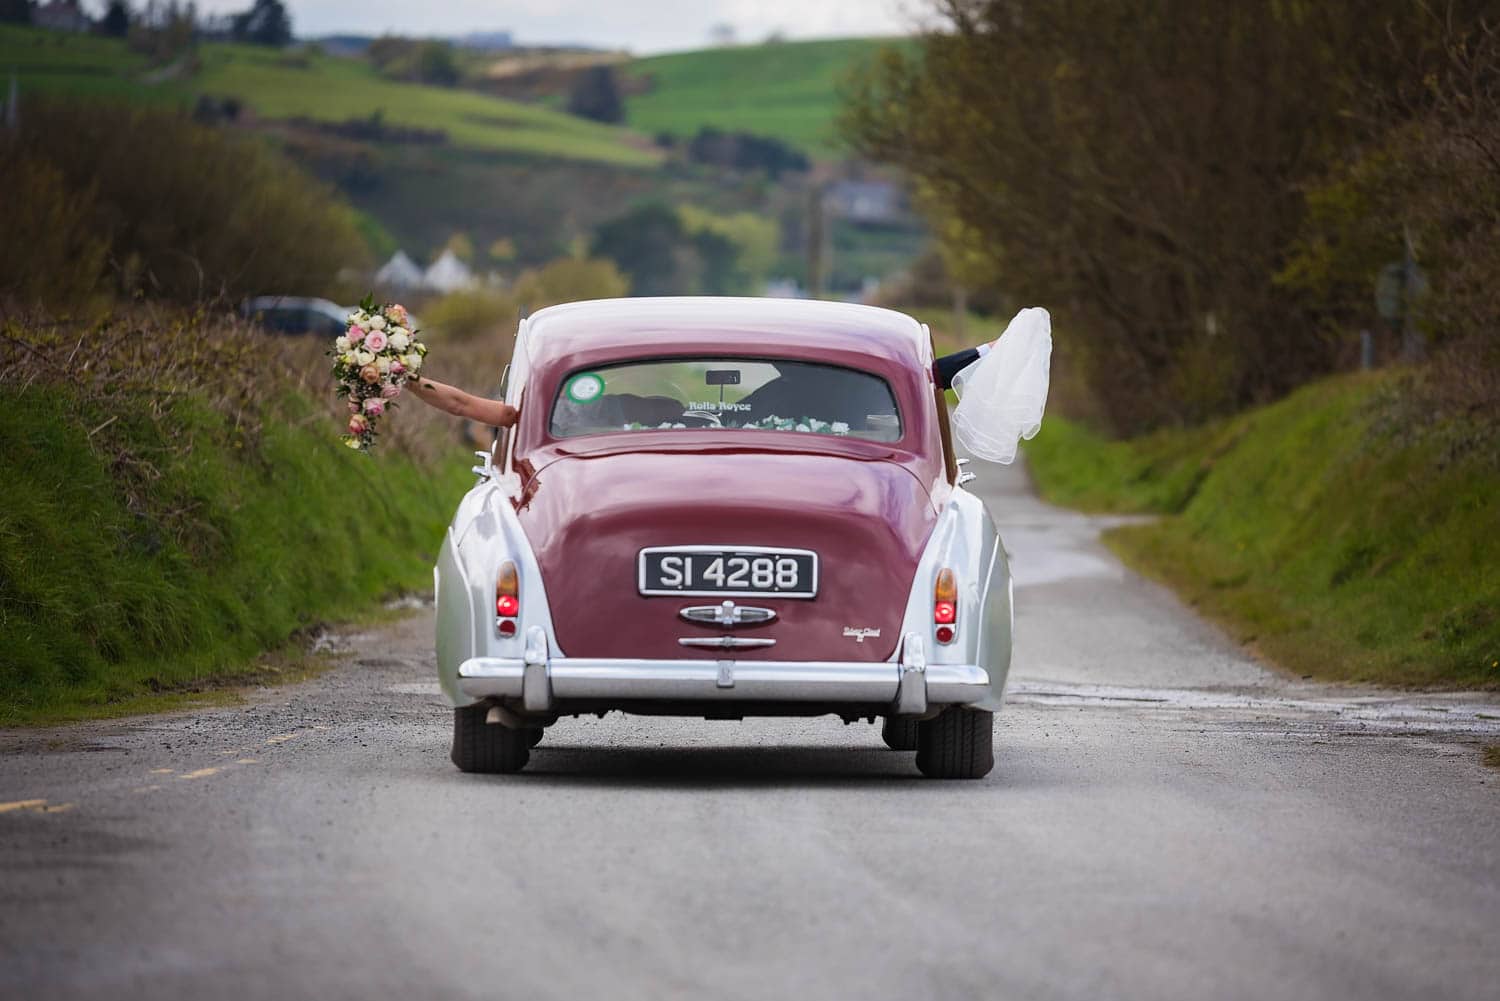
{"x":1167,"y":819}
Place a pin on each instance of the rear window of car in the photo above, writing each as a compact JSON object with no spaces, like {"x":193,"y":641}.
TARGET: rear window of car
{"x":731,"y":394}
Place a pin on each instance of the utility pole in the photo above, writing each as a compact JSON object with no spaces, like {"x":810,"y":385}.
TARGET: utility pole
{"x":13,"y":105}
{"x":1413,"y":344}
{"x":815,"y":236}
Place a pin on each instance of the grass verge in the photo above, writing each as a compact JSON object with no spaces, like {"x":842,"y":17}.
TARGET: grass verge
{"x":115,"y":600}
{"x":1329,"y":531}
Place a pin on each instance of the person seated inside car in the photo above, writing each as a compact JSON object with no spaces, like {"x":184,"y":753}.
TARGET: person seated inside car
{"x":800,"y":389}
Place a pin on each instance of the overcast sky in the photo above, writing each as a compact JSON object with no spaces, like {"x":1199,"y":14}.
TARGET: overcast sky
{"x":639,"y":25}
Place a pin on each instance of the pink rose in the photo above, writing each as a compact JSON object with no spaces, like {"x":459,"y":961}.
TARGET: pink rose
{"x":397,"y":312}
{"x":356,"y":334}
{"x":374,"y":406}
{"x":390,"y":391}
{"x":353,"y":407}
{"x":375,"y":340}
{"x":397,"y":368}
{"x":357,"y":424}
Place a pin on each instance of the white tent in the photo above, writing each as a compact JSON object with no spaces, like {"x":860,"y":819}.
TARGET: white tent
{"x":448,"y":273}
{"x":400,"y":272}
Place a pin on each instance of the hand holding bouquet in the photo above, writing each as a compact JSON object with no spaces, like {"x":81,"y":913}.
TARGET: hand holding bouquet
{"x":372,"y":362}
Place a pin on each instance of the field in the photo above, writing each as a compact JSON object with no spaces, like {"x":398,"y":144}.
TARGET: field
{"x":786,"y":90}
{"x":1331,"y":530}
{"x":278,"y":85}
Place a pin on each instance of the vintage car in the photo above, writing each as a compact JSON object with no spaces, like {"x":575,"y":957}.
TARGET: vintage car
{"x":723,"y":508}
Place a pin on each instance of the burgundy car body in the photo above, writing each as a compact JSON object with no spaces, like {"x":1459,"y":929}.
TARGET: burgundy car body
{"x":575,"y":513}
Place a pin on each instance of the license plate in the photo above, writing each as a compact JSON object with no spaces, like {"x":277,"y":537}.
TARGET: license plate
{"x":708,"y":571}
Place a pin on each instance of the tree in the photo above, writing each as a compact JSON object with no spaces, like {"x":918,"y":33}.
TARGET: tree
{"x":1141,"y":168}
{"x":687,"y":251}
{"x":116,"y":23}
{"x":266,"y":23}
{"x":436,"y":65}
{"x":596,"y":95}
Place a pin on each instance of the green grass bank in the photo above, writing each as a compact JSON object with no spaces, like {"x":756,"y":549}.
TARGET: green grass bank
{"x":1332,"y":531}
{"x":142,"y":569}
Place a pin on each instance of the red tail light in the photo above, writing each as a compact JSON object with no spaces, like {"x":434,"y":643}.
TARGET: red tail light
{"x":945,"y":605}
{"x":507,"y":598}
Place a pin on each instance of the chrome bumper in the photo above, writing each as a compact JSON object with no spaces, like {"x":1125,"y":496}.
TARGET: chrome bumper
{"x":540,"y":681}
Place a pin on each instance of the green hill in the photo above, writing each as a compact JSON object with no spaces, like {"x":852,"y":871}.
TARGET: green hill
{"x":275,"y":84}
{"x":786,"y":90}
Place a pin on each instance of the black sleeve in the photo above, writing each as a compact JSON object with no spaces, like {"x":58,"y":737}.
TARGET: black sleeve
{"x":946,"y":367}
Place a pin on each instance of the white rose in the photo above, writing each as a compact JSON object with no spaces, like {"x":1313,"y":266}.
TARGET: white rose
{"x":342,"y":344}
{"x":377,"y":323}
{"x":365,"y":357}
{"x":384,"y":364}
{"x":412,"y":361}
{"x":399,"y":340}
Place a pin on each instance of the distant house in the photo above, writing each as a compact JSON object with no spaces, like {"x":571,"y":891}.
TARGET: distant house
{"x":61,"y":15}
{"x":399,"y":273}
{"x":448,"y":274}
{"x":866,"y":201}
{"x":486,"y":41}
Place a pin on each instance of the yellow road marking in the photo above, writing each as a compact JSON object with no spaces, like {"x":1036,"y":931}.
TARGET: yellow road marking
{"x":201,"y":773}
{"x":248,"y":761}
{"x":22,"y":804}
{"x":59,"y":808}
{"x":162,"y":771}
{"x":282,"y":739}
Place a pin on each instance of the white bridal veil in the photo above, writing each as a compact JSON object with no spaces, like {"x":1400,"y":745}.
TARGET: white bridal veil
{"x":1003,"y":394}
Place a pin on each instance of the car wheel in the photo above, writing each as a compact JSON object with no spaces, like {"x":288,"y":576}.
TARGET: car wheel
{"x":534,"y":736}
{"x":487,"y":747}
{"x":959,"y":744}
{"x":899,"y":734}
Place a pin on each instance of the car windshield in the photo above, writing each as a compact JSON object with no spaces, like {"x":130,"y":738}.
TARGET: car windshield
{"x":762,"y":394}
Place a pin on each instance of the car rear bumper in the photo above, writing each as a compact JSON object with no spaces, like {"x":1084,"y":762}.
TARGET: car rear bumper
{"x":540,"y":683}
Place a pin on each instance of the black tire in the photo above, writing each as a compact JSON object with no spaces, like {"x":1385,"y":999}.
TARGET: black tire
{"x":899,"y":734}
{"x":534,"y":736}
{"x":959,"y":744}
{"x":488,"y":748}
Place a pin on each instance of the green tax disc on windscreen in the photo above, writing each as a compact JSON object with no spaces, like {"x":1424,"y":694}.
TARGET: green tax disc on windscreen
{"x":585,"y":388}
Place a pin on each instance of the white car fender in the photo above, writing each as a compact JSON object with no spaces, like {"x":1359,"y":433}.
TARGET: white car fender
{"x":484,"y":533}
{"x":966,"y":541}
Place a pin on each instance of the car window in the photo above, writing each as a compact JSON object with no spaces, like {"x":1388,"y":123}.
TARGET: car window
{"x":765,"y":394}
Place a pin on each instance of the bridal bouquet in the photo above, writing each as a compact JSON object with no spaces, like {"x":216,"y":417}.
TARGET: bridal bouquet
{"x":371,"y":362}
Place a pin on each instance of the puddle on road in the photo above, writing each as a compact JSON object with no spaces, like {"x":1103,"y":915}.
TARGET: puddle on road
{"x":1050,"y":553}
{"x":1425,"y":715}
